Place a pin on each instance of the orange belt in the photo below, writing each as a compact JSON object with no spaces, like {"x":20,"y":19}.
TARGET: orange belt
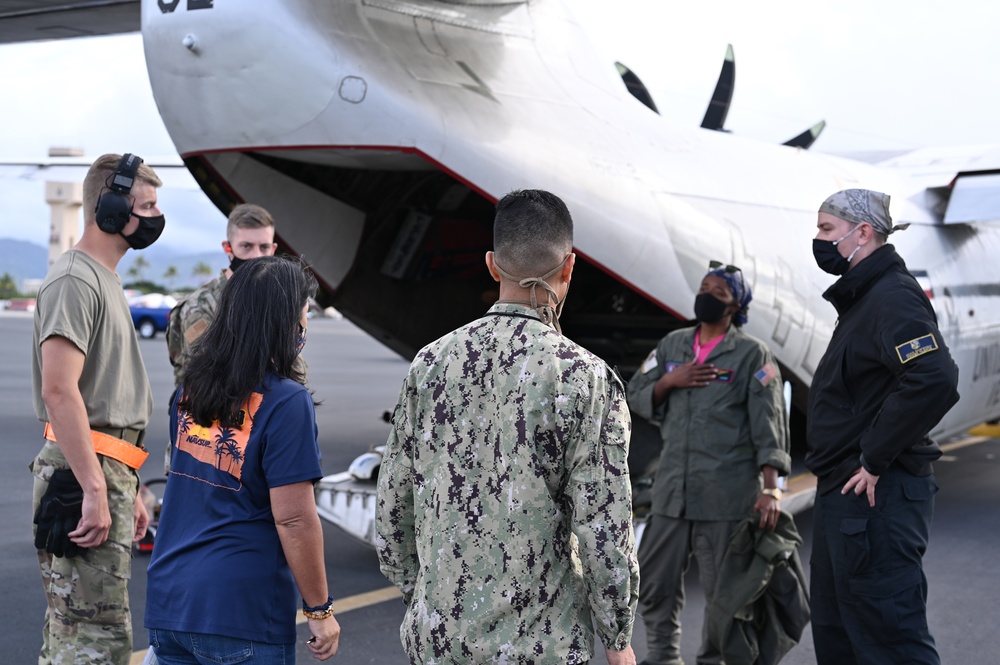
{"x":132,"y":455}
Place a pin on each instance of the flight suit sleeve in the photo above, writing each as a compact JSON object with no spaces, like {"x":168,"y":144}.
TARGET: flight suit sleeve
{"x":395,"y":536}
{"x":640,"y":387}
{"x":926,"y":387}
{"x":768,"y":417}
{"x":601,"y":498}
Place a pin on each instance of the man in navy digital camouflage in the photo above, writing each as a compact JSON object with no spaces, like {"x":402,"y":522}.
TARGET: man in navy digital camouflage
{"x":504,"y":505}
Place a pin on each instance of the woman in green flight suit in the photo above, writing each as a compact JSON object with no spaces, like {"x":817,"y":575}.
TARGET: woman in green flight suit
{"x":716,"y":395}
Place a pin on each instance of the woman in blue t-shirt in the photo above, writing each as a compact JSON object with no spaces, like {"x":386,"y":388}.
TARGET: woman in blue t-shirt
{"x":239,"y":529}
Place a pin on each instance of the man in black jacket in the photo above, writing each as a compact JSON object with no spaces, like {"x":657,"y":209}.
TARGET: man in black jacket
{"x":885,"y":381}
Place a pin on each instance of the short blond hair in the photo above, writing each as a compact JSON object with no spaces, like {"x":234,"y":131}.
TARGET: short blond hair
{"x":96,"y":182}
{"x":247,"y":216}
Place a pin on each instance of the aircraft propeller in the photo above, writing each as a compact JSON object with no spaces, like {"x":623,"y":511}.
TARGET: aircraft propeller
{"x":806,"y":138}
{"x":636,"y":87}
{"x":718,"y":108}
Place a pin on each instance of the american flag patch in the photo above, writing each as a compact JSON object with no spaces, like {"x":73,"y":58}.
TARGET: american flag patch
{"x":765,"y":374}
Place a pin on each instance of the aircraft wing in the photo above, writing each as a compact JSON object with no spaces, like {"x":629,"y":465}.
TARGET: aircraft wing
{"x":950,"y":185}
{"x":36,"y":20}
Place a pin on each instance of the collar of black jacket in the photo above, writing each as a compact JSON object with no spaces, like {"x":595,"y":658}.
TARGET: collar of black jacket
{"x":850,"y":288}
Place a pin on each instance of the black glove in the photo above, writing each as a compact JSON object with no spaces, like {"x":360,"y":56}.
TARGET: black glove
{"x":58,"y":513}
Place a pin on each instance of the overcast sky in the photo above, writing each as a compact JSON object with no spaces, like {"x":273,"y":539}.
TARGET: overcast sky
{"x":885,"y":75}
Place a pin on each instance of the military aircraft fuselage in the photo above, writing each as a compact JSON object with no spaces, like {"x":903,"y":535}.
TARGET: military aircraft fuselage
{"x":380,"y":133}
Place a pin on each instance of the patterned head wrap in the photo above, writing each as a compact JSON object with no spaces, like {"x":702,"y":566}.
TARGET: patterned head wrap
{"x":741,"y":290}
{"x":862,"y":206}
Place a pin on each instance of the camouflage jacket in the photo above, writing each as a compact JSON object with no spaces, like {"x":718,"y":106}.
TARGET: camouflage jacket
{"x":504,"y":504}
{"x":189,"y":320}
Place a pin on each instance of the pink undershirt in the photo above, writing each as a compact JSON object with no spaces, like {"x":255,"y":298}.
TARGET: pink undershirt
{"x":701,"y":351}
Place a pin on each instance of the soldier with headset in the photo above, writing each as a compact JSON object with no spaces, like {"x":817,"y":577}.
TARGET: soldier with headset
{"x":91,"y":390}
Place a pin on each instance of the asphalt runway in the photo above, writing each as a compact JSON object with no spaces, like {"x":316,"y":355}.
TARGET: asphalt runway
{"x":357,"y":379}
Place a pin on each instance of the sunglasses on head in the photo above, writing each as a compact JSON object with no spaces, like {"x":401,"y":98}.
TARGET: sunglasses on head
{"x":715,"y":265}
{"x":730,"y":269}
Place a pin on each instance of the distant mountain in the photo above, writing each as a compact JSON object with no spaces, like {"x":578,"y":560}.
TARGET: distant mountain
{"x":26,"y":260}
{"x":23,"y":260}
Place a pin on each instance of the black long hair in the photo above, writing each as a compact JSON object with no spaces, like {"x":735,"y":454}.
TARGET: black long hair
{"x":254,"y":333}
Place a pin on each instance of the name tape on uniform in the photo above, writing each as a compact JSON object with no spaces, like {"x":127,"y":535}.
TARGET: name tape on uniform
{"x":723,"y":375}
{"x":915,"y":348}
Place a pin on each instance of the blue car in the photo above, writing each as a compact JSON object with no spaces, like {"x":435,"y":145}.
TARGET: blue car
{"x":150,"y":313}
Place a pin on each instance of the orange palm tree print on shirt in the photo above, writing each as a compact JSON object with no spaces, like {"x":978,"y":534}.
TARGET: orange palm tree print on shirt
{"x":222,"y":447}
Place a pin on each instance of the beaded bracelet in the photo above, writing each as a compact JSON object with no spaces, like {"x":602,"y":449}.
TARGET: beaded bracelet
{"x":320,"y":611}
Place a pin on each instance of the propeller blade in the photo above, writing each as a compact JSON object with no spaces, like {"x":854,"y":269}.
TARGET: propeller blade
{"x":808,"y":137}
{"x":636,"y":87}
{"x":718,"y":108}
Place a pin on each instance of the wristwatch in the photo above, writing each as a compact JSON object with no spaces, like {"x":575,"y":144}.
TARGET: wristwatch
{"x":772,"y":491}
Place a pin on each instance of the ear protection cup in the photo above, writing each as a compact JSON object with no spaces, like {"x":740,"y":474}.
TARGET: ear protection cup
{"x":114,"y":207}
{"x":113,"y":212}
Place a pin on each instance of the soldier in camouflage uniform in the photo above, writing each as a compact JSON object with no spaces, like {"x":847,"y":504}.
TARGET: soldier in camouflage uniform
{"x":90,"y":388}
{"x":249,"y":234}
{"x":504,"y":505}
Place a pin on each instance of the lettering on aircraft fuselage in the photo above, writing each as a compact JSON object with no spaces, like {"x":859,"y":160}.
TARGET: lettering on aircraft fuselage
{"x":168,"y":6}
{"x":994,"y":399}
{"x":987,"y":361}
{"x":789,"y":304}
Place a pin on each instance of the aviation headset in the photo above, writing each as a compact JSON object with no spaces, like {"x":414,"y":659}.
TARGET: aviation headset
{"x":113,"y":207}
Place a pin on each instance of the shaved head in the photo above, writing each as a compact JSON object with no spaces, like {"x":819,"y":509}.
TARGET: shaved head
{"x":532,"y":232}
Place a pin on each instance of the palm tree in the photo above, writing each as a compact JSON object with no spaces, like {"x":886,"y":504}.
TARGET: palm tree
{"x":235,"y":454}
{"x":8,"y":287}
{"x":139,"y":265}
{"x":185,"y":422}
{"x":170,"y":274}
{"x":222,"y":440}
{"x":202,"y":270}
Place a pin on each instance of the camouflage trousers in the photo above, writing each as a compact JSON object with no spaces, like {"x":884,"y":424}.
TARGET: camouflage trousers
{"x":88,"y":620}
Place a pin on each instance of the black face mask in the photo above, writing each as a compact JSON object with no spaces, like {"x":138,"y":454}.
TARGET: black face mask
{"x":708,"y":308}
{"x":236,"y":262}
{"x":828,"y":258}
{"x":149,"y":230}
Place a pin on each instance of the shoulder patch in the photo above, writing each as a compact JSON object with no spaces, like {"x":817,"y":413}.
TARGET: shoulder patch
{"x":195,"y":331}
{"x":650,"y":362}
{"x":916,"y":347}
{"x":766,"y":374}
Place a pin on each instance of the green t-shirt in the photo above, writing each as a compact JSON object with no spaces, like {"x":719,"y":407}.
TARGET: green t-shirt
{"x":83,"y":301}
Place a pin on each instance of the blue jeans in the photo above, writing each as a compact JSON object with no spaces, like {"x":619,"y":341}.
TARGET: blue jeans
{"x":176,"y":648}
